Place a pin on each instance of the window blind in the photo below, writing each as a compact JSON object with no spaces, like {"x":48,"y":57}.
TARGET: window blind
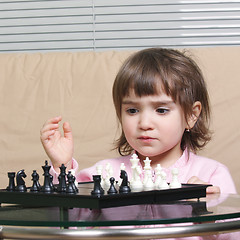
{"x":73,"y":25}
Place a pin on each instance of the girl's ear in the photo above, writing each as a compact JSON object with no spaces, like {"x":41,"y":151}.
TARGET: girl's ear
{"x":196,"y":110}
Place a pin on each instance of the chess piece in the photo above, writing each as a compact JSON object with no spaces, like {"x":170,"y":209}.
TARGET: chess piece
{"x":122,"y":166}
{"x":97,"y":189}
{"x":21,"y":187}
{"x":11,"y":185}
{"x":71,"y":187}
{"x":175,"y":183}
{"x":158,"y":177}
{"x":109,"y":173}
{"x":136,"y":184}
{"x":147,"y":169}
{"x":47,"y":185}
{"x":62,"y":186}
{"x":36,"y":185}
{"x":164,"y":184}
{"x":112,"y":189}
{"x":124,"y":188}
{"x":148,"y":184}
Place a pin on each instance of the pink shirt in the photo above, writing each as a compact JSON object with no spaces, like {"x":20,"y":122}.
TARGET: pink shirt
{"x":206,"y":169}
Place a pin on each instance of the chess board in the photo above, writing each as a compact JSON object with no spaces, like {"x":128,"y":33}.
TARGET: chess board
{"x":84,"y":198}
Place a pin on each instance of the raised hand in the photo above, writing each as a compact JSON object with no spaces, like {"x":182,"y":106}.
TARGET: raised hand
{"x":59,"y":147}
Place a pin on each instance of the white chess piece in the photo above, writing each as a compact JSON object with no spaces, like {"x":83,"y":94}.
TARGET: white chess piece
{"x":136,"y":184}
{"x":109,"y":173}
{"x":147,"y":169}
{"x":122,"y":167}
{"x":99,"y":169}
{"x":148,"y":185}
{"x":158,"y":177}
{"x":134,"y":161}
{"x":164,"y":184}
{"x":175,"y":183}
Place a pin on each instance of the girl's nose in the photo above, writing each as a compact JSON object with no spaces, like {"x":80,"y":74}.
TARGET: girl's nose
{"x":145,"y":122}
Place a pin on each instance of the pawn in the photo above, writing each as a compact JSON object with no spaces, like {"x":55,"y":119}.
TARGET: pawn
{"x":36,"y":185}
{"x":175,"y":183}
{"x":11,"y":185}
{"x":164,"y":184}
{"x":112,"y":189}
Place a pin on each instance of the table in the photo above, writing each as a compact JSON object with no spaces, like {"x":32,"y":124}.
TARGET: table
{"x":175,"y":219}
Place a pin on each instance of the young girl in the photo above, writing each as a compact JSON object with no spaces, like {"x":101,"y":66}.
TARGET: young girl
{"x":162,"y":105}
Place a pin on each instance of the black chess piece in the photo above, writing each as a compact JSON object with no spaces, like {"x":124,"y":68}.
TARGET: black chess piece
{"x":11,"y":186}
{"x":36,"y":185}
{"x":124,"y":188}
{"x":62,"y":186}
{"x":47,"y":186}
{"x":21,"y":187}
{"x":97,"y":189}
{"x":71,"y":188}
{"x":112,"y":189}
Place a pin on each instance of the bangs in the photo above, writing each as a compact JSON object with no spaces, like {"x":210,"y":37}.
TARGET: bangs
{"x":145,"y":78}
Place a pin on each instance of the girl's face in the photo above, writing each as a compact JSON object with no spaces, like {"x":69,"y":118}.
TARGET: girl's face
{"x":153,"y":126}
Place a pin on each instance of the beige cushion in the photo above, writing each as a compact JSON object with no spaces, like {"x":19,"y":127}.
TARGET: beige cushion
{"x":77,"y":86}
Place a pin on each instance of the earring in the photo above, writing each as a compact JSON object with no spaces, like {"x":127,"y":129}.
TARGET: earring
{"x":187,"y":130}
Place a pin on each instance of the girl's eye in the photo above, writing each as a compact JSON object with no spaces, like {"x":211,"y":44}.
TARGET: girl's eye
{"x":132,"y":110}
{"x":162,"y":110}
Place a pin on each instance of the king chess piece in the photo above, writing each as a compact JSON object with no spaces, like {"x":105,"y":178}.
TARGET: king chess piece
{"x":62,"y":186}
{"x":47,"y":186}
{"x":21,"y":187}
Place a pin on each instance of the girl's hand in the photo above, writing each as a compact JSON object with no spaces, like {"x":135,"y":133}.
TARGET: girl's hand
{"x":58,"y":148}
{"x":210,"y":189}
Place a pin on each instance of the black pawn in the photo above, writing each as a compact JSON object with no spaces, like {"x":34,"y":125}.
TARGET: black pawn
{"x":47,"y":187}
{"x":36,"y":185}
{"x":112,"y":189}
{"x":11,"y":185}
{"x":62,"y":186}
{"x":97,"y":189}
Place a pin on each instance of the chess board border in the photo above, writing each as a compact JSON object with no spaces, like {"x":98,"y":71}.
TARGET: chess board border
{"x":84,"y":199}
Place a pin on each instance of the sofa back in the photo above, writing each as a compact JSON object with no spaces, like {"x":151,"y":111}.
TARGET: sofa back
{"x":77,"y":86}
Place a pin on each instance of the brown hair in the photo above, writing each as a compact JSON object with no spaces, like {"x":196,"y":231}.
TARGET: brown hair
{"x":148,"y":72}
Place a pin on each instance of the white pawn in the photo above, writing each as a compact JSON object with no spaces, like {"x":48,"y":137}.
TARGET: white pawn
{"x":99,"y":169}
{"x":175,"y":183}
{"x":122,"y":167}
{"x":164,"y":184}
{"x":136,"y":185}
{"x":148,"y":185}
{"x":109,"y":173}
{"x":158,"y":177}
